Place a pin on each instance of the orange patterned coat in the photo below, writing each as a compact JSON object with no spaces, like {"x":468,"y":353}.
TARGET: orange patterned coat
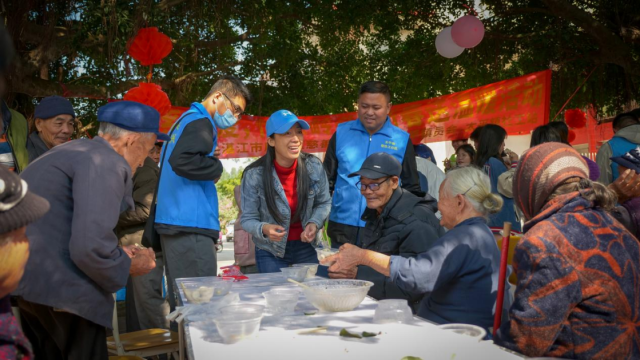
{"x":578,"y":293}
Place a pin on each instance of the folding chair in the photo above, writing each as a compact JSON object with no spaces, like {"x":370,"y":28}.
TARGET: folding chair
{"x":142,"y":343}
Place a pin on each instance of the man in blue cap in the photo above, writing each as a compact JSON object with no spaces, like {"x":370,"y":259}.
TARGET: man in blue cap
{"x":186,"y":215}
{"x":353,"y":142}
{"x":65,"y":296}
{"x":54,"y":125}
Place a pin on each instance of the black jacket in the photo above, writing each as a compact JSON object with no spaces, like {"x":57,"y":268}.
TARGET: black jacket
{"x":407,"y":227}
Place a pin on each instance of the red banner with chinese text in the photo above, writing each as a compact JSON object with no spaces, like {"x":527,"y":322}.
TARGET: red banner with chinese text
{"x":519,"y":105}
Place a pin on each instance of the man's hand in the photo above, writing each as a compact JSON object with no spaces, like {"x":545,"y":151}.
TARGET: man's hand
{"x":273,"y":232}
{"x":217,"y":152}
{"x":626,"y":186}
{"x":447,"y":164}
{"x":344,"y":274}
{"x":143,"y":262}
{"x":309,"y":233}
{"x":349,"y":257}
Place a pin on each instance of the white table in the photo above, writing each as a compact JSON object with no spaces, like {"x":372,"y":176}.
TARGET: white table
{"x":280,"y":337}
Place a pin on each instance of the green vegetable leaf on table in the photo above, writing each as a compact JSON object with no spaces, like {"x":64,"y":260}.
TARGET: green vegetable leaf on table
{"x":365,"y":334}
{"x":411,"y":358}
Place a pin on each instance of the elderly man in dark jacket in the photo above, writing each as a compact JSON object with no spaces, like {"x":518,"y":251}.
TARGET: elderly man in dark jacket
{"x":65,"y":296}
{"x":397,"y":223}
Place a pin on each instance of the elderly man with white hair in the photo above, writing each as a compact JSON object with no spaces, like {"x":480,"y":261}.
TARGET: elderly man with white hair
{"x":459,"y":273}
{"x":65,"y":296}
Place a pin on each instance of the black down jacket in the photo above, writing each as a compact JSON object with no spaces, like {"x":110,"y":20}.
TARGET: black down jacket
{"x":407,"y":227}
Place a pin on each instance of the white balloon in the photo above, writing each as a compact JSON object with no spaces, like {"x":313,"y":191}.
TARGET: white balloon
{"x":445,"y":45}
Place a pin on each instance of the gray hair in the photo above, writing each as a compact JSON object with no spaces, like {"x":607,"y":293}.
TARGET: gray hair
{"x":476,"y":187}
{"x":116,"y":132}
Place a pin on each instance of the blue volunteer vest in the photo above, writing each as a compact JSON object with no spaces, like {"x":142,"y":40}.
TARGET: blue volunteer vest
{"x":619,"y":147}
{"x":184,"y":202}
{"x":353,"y":146}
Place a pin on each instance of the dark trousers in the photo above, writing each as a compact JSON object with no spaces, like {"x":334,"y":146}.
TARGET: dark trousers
{"x":343,"y":234}
{"x":187,"y":255}
{"x":296,"y":252}
{"x":58,"y":335}
{"x":146,"y":306}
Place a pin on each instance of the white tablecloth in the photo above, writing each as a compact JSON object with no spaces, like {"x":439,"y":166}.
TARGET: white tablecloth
{"x":280,"y":337}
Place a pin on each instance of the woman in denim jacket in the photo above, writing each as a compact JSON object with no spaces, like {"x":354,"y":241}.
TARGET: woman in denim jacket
{"x":285,"y":197}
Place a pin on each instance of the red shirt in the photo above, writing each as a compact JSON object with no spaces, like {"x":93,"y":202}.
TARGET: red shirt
{"x":289,"y":182}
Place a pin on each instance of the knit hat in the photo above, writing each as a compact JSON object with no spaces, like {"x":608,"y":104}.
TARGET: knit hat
{"x":541,"y":170}
{"x":630,"y":160}
{"x":18,"y":207}
{"x":53,"y":106}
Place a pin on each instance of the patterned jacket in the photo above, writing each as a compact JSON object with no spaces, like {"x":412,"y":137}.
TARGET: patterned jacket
{"x":13,"y":344}
{"x":578,"y":293}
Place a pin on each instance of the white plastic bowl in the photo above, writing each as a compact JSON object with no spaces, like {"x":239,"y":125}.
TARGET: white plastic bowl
{"x":295,"y":273}
{"x":473,"y":331}
{"x":337,"y":295}
{"x":281,"y":301}
{"x":198,"y":293}
{"x":238,"y":325}
{"x":222,"y":286}
{"x":312,"y":269}
{"x":392,"y":311}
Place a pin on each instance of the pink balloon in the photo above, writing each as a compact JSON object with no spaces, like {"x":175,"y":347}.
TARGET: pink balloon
{"x":467,"y":31}
{"x":445,"y":45}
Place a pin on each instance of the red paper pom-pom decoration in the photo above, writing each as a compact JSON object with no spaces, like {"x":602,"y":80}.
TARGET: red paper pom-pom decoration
{"x":575,"y":118}
{"x":572,"y":136}
{"x":150,"y":46}
{"x":150,"y":94}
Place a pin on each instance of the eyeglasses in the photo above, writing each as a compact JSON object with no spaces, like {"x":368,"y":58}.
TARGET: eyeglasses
{"x":372,"y":187}
{"x":237,"y":111}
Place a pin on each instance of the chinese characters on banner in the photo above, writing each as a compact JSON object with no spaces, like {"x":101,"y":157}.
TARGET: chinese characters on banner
{"x":518,"y":105}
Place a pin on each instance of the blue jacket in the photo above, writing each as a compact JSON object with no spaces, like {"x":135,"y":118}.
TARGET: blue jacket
{"x":494,"y":168}
{"x":183,"y":202}
{"x":353,"y":146}
{"x":255,"y":212}
{"x":619,"y":147}
{"x":460,"y":271}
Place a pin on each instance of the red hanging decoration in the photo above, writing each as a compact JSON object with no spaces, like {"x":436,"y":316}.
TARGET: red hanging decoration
{"x":150,"y":46}
{"x":572,"y":136}
{"x":150,"y":94}
{"x":575,"y":118}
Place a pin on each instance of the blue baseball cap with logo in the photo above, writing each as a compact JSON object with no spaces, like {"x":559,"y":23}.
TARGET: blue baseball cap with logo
{"x":133,"y":116}
{"x":282,"y":120}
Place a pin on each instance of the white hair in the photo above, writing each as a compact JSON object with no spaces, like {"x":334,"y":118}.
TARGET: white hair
{"x":117,"y":132}
{"x":475,"y":185}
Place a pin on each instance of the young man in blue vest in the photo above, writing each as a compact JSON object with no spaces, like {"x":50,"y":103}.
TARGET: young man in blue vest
{"x":187,"y":206}
{"x":626,"y":129}
{"x":351,"y":144}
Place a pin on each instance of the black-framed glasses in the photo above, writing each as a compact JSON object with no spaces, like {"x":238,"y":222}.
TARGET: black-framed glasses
{"x":237,"y":111}
{"x":372,"y":187}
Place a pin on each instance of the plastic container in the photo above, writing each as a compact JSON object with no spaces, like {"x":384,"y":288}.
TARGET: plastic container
{"x":324,"y":252}
{"x":312,"y":269}
{"x":473,"y":331}
{"x":393,"y":311}
{"x":222,"y":286}
{"x":238,"y":322}
{"x":281,"y":301}
{"x":295,"y":273}
{"x":242,"y":308}
{"x":337,"y":295}
{"x":198,"y":292}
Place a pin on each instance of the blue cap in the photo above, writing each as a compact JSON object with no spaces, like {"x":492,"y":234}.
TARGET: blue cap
{"x":53,"y":106}
{"x":282,"y":120}
{"x":132,"y":116}
{"x":630,"y":160}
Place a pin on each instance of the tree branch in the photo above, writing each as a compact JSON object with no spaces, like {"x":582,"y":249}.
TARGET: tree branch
{"x":224,"y":42}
